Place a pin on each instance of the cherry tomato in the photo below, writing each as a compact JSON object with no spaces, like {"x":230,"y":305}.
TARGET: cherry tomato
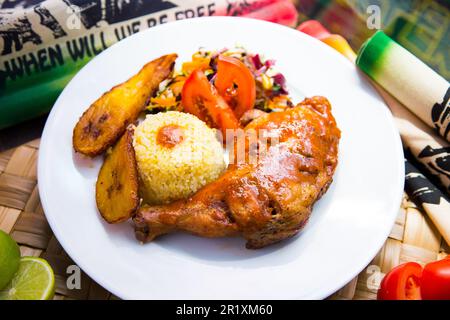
{"x":235,"y":82}
{"x":401,"y":283}
{"x":435,"y":283}
{"x":201,"y":99}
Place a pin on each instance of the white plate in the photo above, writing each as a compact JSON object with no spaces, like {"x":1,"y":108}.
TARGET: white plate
{"x":348,"y":225}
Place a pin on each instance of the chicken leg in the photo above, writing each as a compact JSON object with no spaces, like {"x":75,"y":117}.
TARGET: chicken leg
{"x":266,"y":201}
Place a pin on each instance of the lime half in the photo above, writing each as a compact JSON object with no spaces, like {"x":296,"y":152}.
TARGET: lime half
{"x":33,"y":281}
{"x":9,"y":258}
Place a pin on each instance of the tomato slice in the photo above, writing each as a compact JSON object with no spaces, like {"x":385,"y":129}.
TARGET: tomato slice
{"x":201,"y":99}
{"x":402,"y":283}
{"x":435,"y":283}
{"x":235,"y":82}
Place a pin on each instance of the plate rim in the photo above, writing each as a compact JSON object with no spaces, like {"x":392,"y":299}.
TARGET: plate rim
{"x":109,"y":285}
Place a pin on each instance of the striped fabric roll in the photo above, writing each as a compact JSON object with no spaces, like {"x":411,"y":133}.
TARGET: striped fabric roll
{"x":412,"y":82}
{"x":419,"y":140}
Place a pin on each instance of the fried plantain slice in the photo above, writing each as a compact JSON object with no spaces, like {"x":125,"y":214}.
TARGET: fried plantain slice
{"x":105,"y":121}
{"x":116,"y":191}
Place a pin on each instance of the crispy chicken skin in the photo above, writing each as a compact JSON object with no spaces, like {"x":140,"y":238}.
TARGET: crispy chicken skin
{"x":267,"y":201}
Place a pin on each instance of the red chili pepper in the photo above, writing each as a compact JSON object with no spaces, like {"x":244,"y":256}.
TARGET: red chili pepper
{"x":401,"y":283}
{"x":435,"y":282}
{"x":282,"y":12}
{"x":409,"y":281}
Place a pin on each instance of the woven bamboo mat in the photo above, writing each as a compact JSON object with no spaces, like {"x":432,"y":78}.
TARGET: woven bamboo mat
{"x":413,"y":237}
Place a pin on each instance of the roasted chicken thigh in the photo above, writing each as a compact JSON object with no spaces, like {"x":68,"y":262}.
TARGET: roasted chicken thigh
{"x":264,"y":201}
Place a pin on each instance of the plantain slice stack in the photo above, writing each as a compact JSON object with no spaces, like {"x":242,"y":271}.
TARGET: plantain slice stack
{"x":116,"y":190}
{"x":105,"y":121}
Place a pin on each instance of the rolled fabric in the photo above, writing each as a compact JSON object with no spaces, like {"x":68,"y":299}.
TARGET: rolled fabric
{"x":425,"y":146}
{"x":420,"y":140}
{"x":408,"y":79}
{"x":43,"y":44}
{"x":429,"y":198}
{"x":281,"y":12}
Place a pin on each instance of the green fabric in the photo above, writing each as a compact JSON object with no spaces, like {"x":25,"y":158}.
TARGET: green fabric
{"x":372,"y":54}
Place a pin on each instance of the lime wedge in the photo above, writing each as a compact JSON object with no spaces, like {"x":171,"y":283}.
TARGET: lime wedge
{"x":9,"y":258}
{"x":34,"y":280}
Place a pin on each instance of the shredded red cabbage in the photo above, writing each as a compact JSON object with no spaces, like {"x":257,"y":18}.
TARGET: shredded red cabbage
{"x":257,"y":62}
{"x":269,"y":63}
{"x":280,"y":81}
{"x":212,"y":77}
{"x":260,"y":71}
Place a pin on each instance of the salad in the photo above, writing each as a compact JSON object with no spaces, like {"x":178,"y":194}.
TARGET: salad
{"x":220,"y":86}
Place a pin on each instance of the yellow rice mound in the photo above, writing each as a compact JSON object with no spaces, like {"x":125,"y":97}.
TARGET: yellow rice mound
{"x":169,"y":174}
